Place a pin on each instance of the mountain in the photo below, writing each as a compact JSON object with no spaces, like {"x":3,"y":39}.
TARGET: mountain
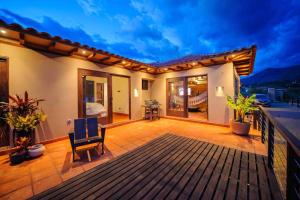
{"x":273,"y":75}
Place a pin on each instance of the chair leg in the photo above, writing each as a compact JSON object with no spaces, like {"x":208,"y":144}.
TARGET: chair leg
{"x":102,"y":148}
{"x":73,"y":152}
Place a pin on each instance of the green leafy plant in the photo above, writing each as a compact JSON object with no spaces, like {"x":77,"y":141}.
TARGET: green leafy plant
{"x":242,"y":105}
{"x":152,"y":103}
{"x":23,"y":114}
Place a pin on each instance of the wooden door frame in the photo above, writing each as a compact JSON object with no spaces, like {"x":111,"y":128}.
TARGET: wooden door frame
{"x":177,"y":113}
{"x":81,"y":73}
{"x":129,"y":95}
{"x":185,"y":87}
{"x":6,"y":140}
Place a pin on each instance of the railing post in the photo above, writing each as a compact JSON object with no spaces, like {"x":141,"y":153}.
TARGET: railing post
{"x":293,"y":174}
{"x":270,"y":145}
{"x":263,"y":127}
{"x":255,"y":116}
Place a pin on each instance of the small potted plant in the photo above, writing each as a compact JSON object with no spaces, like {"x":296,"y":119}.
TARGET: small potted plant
{"x":21,"y":153}
{"x":241,"y":105}
{"x":23,"y":115}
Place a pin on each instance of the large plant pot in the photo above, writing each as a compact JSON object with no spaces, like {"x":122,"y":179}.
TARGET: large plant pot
{"x":36,"y":150}
{"x":17,"y":157}
{"x":29,"y":134}
{"x":240,"y":128}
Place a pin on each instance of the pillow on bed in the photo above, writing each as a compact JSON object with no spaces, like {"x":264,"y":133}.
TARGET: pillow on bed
{"x":95,"y":109}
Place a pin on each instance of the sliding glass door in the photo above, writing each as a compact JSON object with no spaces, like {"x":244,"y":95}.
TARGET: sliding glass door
{"x":176,"y":97}
{"x":188,"y":97}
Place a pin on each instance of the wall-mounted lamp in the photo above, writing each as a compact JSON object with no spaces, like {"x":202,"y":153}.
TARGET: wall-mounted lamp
{"x":219,"y":91}
{"x":135,"y":92}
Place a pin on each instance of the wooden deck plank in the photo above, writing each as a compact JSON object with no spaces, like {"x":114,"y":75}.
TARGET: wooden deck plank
{"x":209,"y":191}
{"x":243,"y":178}
{"x":224,"y":179}
{"x":149,"y":172}
{"x":174,"y":167}
{"x":92,"y":188}
{"x":253,"y":179}
{"x":202,"y":183}
{"x":69,"y":184}
{"x":176,"y":191}
{"x":155,"y":179}
{"x":164,"y":182}
{"x":273,"y":185}
{"x":234,"y":176}
{"x":185,"y":194}
{"x":262,"y":178}
{"x":176,"y":180}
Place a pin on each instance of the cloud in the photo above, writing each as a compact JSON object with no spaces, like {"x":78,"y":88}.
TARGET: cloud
{"x":89,"y":6}
{"x":166,"y":29}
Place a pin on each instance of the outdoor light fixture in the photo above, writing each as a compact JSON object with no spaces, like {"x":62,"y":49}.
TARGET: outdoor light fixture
{"x":3,"y":31}
{"x":136,"y":92}
{"x":219,"y":91}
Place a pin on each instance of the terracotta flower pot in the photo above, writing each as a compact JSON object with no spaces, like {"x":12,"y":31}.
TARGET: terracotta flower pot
{"x":240,"y":128}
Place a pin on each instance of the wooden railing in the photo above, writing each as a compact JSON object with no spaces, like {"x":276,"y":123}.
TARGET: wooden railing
{"x":283,"y":155}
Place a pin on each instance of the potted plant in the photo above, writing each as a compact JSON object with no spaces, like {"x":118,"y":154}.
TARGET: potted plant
{"x":21,"y":153}
{"x":23,"y":115}
{"x":241,"y":105}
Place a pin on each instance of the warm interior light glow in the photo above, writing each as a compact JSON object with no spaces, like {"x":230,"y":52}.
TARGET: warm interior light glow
{"x":3,"y":31}
{"x":84,"y":52}
{"x":194,"y":63}
{"x":219,"y":91}
{"x":136,"y":92}
{"x":123,"y":62}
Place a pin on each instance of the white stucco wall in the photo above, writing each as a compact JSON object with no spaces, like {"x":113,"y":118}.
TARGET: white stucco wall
{"x":54,"y":78}
{"x":220,"y":75}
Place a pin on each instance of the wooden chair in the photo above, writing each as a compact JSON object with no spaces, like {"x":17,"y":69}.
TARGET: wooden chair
{"x":93,"y":136}
{"x":79,"y":138}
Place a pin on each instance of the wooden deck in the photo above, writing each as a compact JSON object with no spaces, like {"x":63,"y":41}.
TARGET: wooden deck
{"x":174,"y":167}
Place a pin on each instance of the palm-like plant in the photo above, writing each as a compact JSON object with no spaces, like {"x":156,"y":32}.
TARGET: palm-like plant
{"x":242,"y":105}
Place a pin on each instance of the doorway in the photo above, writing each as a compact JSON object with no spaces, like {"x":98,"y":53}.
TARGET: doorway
{"x":4,"y":93}
{"x":188,"y":97}
{"x":94,"y":95}
{"x":197,"y":97}
{"x":120,"y":98}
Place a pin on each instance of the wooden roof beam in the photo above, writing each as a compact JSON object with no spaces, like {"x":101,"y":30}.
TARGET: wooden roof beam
{"x":92,"y":55}
{"x":51,"y":46}
{"x":22,"y":38}
{"x":104,"y":59}
{"x":73,"y":51}
{"x":112,"y":63}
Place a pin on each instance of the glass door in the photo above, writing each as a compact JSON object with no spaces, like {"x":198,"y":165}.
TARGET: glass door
{"x":197,"y":97}
{"x":176,"y":97}
{"x":95,"y":98}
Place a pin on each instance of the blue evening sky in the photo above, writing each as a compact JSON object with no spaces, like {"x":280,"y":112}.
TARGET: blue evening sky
{"x":157,"y":31}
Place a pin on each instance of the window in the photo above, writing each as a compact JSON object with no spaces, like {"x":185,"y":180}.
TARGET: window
{"x":144,"y":84}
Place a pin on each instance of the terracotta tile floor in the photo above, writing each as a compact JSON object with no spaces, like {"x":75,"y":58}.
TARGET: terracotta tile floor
{"x":55,"y":166}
